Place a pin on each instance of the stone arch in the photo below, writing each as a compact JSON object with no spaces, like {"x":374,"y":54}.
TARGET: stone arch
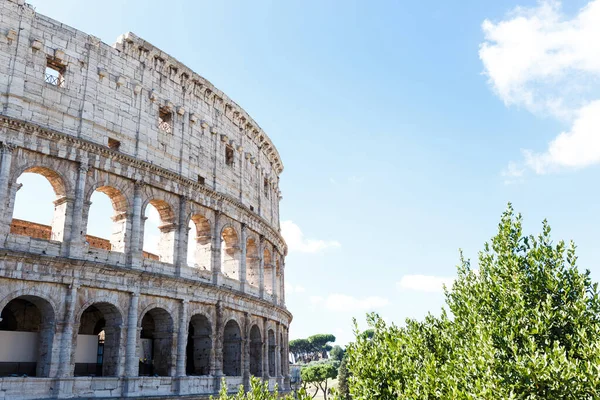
{"x":272,"y":347}
{"x":230,"y":252}
{"x":252,"y":262}
{"x":256,"y":345}
{"x":167,"y":227}
{"x":283,"y":358}
{"x":120,"y":204}
{"x":200,"y":242}
{"x":232,"y":349}
{"x":56,"y":230}
{"x":27,"y":327}
{"x":269,"y":271}
{"x":155,"y":349}
{"x":199,"y":348}
{"x":100,"y":325}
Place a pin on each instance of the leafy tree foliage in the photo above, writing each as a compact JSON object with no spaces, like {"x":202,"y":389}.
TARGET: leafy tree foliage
{"x":337,"y":353}
{"x":312,"y":348}
{"x":318,"y":374}
{"x":259,"y":390}
{"x":343,"y":390}
{"x":524,"y":325}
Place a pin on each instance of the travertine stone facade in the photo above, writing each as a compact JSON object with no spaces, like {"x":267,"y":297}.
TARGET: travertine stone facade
{"x":135,"y":124}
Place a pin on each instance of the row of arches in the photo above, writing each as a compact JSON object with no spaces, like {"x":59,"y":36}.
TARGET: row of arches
{"x":28,"y":328}
{"x":108,"y":224}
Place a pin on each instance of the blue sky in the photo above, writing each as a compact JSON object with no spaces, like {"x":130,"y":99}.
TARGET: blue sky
{"x":404,"y":127}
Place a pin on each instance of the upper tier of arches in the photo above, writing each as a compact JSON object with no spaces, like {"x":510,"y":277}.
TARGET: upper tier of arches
{"x":195,"y":238}
{"x":136,"y":101}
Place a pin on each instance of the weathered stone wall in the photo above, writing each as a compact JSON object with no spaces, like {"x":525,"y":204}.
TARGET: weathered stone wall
{"x":133,"y":123}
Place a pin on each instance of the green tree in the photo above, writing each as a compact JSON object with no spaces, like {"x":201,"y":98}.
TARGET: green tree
{"x":259,"y":390}
{"x":343,"y":390}
{"x":311,"y":349}
{"x":337,"y":353}
{"x":525,"y":325}
{"x":318,"y":374}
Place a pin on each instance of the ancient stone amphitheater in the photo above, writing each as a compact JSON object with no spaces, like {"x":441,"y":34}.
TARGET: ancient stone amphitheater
{"x":86,"y":317}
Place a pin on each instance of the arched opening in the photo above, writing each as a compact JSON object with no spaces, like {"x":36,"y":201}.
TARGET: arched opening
{"x":32,"y":215}
{"x":156,"y":343}
{"x":230,"y":253}
{"x":232,"y":349}
{"x":107,"y":219}
{"x":199,"y":346}
{"x":159,"y":232}
{"x":199,"y":243}
{"x":26,"y":336}
{"x":252,"y":263}
{"x":98,"y":341}
{"x":255,"y":352}
{"x":272,"y":348}
{"x":269,"y":271}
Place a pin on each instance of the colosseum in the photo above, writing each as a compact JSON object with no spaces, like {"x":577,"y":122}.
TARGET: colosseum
{"x":89,"y":317}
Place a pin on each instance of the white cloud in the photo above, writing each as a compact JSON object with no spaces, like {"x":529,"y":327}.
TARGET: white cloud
{"x":297,"y":242}
{"x":549,"y":63}
{"x":424,"y":283}
{"x":513,"y":173}
{"x":291,"y":289}
{"x":344,"y":303}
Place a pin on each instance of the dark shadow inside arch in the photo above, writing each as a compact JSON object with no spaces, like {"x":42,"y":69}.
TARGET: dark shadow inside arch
{"x":199,"y":346}
{"x":98,"y":341}
{"x":232,"y":349}
{"x":255,"y":352}
{"x":156,"y":343}
{"x":26,"y":337}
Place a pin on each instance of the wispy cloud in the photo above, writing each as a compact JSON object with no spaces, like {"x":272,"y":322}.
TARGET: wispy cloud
{"x":291,"y":289}
{"x":513,"y":173}
{"x":424,"y":283}
{"x":297,"y":242}
{"x":344,"y":303}
{"x":540,"y":59}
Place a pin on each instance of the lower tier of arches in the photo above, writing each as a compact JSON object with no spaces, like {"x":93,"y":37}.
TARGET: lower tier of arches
{"x":77,"y":340}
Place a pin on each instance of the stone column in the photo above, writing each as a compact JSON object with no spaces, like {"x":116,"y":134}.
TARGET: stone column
{"x":246,"y":352}
{"x":66,"y":343}
{"x":217,"y":361}
{"x":243,"y":251}
{"x":261,"y":267}
{"x":216,"y":250}
{"x":135,"y":253}
{"x":278,"y":353}
{"x":265,"y":350}
{"x":274,"y":272}
{"x":76,"y":239}
{"x":182,"y":336}
{"x":182,"y":236}
{"x":282,"y":282}
{"x":131,"y":358}
{"x":6,"y":152}
{"x":5,"y":165}
{"x":286,"y":368}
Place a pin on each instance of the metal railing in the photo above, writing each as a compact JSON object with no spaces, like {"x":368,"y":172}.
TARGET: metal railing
{"x":164,"y":126}
{"x":55,"y":80}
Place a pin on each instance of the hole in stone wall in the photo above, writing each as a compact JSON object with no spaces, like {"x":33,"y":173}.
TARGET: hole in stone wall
{"x":201,"y":179}
{"x":229,"y":156}
{"x":165,"y":120}
{"x":55,"y":72}
{"x":114,"y":144}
